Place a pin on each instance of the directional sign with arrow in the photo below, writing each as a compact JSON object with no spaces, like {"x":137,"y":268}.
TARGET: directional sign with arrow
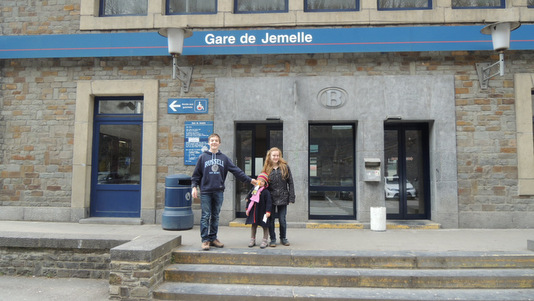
{"x":187,"y":105}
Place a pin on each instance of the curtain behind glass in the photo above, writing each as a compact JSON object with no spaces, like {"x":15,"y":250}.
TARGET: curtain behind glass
{"x":331,"y":5}
{"x":260,"y":5}
{"x":192,"y":6}
{"x":476,"y":3}
{"x":393,"y":4}
{"x":124,"y":7}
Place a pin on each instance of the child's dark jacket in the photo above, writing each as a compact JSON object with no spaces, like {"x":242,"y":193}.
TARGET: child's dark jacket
{"x":255,"y":217}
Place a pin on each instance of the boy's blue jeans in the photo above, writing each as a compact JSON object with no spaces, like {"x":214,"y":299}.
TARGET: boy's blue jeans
{"x":210,"y":203}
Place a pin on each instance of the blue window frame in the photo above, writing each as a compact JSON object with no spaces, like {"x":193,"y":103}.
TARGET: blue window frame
{"x":403,"y":4}
{"x":123,"y":8}
{"x":260,"y":6}
{"x":331,"y":5}
{"x":190,"y":7}
{"x":478,"y":4}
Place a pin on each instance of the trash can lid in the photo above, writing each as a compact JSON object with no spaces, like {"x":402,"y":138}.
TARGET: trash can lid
{"x":177,"y":180}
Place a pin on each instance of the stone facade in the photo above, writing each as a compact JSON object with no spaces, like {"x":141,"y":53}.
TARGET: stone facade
{"x":38,"y":107}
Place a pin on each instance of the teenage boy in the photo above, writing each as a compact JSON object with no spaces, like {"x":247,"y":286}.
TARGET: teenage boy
{"x":209,"y":175}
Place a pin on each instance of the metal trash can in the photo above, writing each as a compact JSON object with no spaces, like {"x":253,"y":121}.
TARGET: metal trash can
{"x":177,"y":214}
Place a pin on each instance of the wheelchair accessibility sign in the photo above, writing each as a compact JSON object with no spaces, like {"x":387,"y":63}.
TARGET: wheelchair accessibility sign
{"x":187,"y":105}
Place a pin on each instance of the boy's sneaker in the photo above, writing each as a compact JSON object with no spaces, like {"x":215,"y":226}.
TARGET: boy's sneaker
{"x":206,"y":246}
{"x":252,"y":243}
{"x":216,"y":243}
{"x":284,"y":241}
{"x":272,"y":243}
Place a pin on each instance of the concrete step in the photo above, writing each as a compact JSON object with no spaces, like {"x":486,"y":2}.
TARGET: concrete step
{"x":280,"y":274}
{"x":356,"y":259}
{"x":231,"y":292}
{"x":348,"y":277}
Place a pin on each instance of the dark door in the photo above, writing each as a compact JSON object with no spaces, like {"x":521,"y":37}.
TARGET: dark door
{"x":252,"y":143}
{"x":406,"y":171}
{"x":331,"y":171}
{"x":116,"y":164}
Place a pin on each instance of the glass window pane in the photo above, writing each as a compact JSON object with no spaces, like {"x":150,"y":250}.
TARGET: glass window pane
{"x":192,"y":7}
{"x":123,"y":7}
{"x":120,"y":107}
{"x":391,"y":177}
{"x":530,"y":3}
{"x":330,"y":5}
{"x":477,"y":3}
{"x":404,"y":4}
{"x":119,"y":154}
{"x":331,"y":170}
{"x":260,"y":6}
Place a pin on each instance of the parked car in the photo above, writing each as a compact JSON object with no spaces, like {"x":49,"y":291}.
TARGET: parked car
{"x":392,"y":188}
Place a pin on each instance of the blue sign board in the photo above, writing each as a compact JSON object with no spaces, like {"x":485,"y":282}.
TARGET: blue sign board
{"x":264,"y":41}
{"x":196,"y":140}
{"x":187,"y":105}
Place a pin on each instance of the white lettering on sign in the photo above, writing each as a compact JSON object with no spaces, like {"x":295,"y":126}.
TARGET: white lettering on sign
{"x":300,"y":37}
{"x":212,"y":39}
{"x":269,"y":38}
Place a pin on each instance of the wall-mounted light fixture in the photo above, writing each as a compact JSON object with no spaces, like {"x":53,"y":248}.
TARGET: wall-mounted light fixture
{"x":500,"y":36}
{"x":175,"y":42}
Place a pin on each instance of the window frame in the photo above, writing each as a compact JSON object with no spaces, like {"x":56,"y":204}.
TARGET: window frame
{"x":261,"y":12}
{"x":167,"y":9}
{"x":429,"y":7}
{"x":101,"y":10}
{"x":503,"y":5}
{"x":306,"y":10}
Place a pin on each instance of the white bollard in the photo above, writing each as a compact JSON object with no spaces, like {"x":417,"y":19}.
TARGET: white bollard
{"x":378,"y":218}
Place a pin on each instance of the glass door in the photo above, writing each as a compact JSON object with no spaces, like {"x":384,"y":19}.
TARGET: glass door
{"x":406,"y":160}
{"x":331,"y":171}
{"x":116,"y":166}
{"x":253,"y":140}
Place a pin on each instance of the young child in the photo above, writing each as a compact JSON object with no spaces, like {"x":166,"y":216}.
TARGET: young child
{"x":259,"y":209}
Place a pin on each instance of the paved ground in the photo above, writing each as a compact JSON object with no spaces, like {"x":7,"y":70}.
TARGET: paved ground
{"x":43,"y":289}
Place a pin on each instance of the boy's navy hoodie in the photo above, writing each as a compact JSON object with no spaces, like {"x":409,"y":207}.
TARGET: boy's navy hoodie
{"x":212,"y":179}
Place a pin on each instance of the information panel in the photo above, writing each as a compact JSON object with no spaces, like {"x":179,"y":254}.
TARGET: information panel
{"x":196,"y":140}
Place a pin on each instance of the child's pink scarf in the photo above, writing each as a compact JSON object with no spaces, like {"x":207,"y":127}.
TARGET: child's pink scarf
{"x":255,"y":198}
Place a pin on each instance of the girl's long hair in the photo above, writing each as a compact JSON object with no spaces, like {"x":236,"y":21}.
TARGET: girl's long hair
{"x":269,"y":164}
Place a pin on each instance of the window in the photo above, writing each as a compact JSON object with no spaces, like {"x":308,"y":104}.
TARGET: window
{"x":331,"y":5}
{"x":178,"y":7}
{"x":404,"y":4}
{"x":530,"y":3}
{"x":478,"y":4}
{"x":123,"y":7}
{"x":260,"y":6}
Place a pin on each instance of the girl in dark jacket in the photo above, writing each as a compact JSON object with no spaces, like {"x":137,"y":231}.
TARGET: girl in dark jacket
{"x":259,"y":210}
{"x":282,"y":192}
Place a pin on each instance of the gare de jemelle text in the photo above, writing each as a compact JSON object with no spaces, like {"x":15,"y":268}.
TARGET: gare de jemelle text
{"x":297,"y":38}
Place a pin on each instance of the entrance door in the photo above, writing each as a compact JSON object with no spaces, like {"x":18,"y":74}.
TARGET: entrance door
{"x":331,"y":171}
{"x":406,"y":175}
{"x":116,"y":164}
{"x":252,"y":143}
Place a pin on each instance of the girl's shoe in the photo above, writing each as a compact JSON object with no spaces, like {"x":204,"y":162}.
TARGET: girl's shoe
{"x":263,"y":244}
{"x":252,"y":243}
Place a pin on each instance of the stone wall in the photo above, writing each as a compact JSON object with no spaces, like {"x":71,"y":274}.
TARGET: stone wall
{"x":38,"y":97}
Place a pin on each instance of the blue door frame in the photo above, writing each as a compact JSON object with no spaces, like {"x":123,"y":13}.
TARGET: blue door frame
{"x":116,"y":161}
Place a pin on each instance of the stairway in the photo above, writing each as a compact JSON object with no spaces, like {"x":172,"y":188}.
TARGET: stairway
{"x":284,"y":274}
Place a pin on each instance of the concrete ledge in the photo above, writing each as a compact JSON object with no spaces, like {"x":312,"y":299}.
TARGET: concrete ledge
{"x":58,"y":241}
{"x":145,"y":248}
